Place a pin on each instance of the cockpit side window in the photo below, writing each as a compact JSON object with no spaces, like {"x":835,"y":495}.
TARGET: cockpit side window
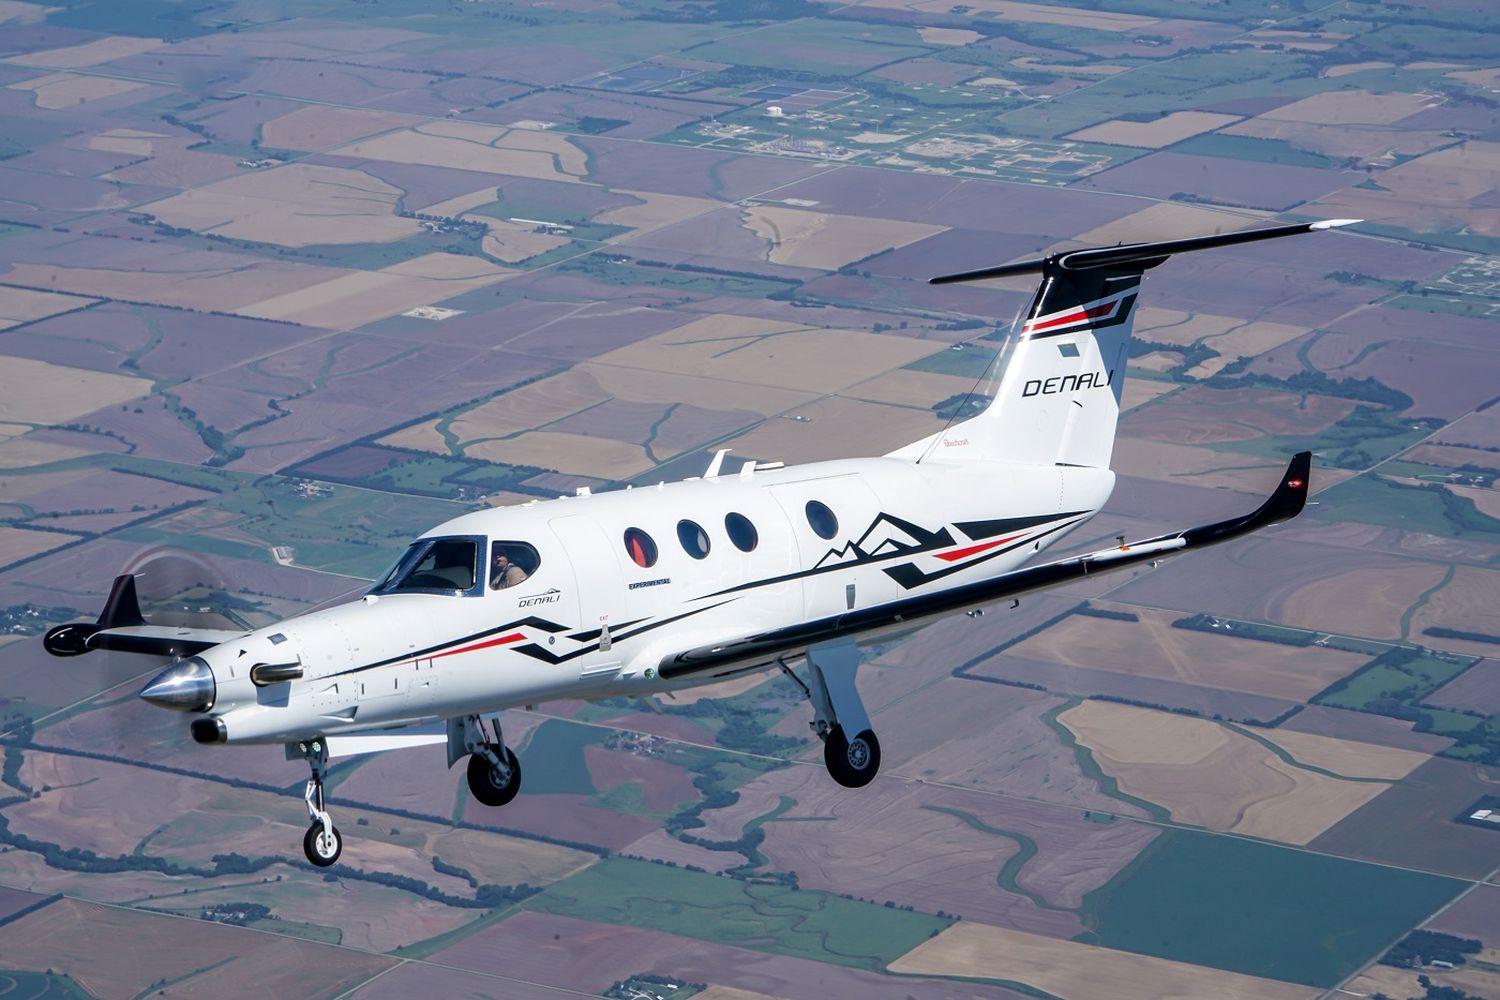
{"x":511,"y":563}
{"x":435,"y":565}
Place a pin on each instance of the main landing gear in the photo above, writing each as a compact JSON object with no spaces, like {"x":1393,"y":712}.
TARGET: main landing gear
{"x":322,"y":843}
{"x":850,"y":749}
{"x":494,"y":771}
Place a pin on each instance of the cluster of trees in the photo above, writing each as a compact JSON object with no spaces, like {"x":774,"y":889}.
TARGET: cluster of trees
{"x":1421,"y":948}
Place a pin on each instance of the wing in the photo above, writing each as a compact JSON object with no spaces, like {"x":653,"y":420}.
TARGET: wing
{"x":122,"y":628}
{"x":1285,"y":503}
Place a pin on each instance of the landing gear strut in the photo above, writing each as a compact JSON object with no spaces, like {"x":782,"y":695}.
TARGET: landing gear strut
{"x":322,"y":843}
{"x":852,"y":760}
{"x":494,"y":771}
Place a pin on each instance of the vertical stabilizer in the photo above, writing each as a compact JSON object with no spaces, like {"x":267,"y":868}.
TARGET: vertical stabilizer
{"x":1058,"y":399}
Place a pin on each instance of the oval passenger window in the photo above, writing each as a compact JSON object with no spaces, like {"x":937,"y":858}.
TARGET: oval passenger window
{"x":821,"y":519}
{"x":693,"y":538}
{"x":741,"y":532}
{"x":641,"y":548}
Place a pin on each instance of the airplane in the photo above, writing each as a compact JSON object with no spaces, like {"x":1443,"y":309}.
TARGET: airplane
{"x":642,"y":591}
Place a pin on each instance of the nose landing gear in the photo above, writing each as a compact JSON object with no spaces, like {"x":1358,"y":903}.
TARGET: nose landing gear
{"x":494,"y":771}
{"x":322,"y":843}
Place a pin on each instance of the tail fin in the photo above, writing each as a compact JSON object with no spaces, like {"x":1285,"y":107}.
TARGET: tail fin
{"x":1058,"y":400}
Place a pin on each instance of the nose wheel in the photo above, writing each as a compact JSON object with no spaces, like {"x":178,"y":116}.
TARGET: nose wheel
{"x":322,"y":843}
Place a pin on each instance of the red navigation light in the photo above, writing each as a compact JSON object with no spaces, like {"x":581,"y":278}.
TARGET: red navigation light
{"x":1295,"y":484}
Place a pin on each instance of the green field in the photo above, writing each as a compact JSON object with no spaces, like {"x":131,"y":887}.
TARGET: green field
{"x":1259,"y":909}
{"x":40,"y":986}
{"x":774,"y":918}
{"x":552,"y":759}
{"x":1400,"y":677}
{"x":816,"y":48}
{"x":1428,"y":508}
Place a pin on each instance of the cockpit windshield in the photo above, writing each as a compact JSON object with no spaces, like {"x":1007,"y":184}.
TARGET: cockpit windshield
{"x":436,"y":565}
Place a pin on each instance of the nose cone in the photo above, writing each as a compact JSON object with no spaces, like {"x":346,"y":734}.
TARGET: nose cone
{"x":187,"y":686}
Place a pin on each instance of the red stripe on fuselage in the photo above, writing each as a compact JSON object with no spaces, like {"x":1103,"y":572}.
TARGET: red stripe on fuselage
{"x":513,"y":637}
{"x":958,"y":554}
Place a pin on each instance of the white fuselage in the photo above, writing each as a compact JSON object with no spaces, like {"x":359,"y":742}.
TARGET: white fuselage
{"x":589,"y":622}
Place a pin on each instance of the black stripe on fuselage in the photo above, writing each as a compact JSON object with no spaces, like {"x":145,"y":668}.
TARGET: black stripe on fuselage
{"x":942,"y":540}
{"x":534,"y":622}
{"x":910,"y":577}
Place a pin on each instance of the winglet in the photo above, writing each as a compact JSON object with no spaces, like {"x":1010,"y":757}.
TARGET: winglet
{"x":122,"y":608}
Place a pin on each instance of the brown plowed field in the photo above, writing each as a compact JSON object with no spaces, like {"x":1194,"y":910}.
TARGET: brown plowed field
{"x":1469,"y":603}
{"x":122,"y":953}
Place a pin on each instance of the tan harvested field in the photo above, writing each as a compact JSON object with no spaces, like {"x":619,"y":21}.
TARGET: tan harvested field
{"x":723,"y":689}
{"x":1151,"y":647}
{"x":123,"y":953}
{"x":523,"y":409}
{"x":1352,"y":107}
{"x":134,"y":142}
{"x":800,"y":238}
{"x":1486,"y":499}
{"x":1032,"y":64}
{"x":1469,"y":603}
{"x":494,"y":857}
{"x":459,"y":204}
{"x":1165,"y":131}
{"x":513,"y":243}
{"x":1156,"y":361}
{"x":483,"y":148}
{"x":1246,"y":340}
{"x":319,"y":127}
{"x":1452,"y":456}
{"x":1344,"y":69}
{"x":1371,"y":141}
{"x":730,"y":993}
{"x":1172,"y":326}
{"x":356,"y":298}
{"x":65,"y":90}
{"x":904,"y":387}
{"x":22,"y":453}
{"x":1138,"y":391}
{"x":23,"y":305}
{"x":647,"y":386}
{"x":41,"y":393}
{"x":20,"y":12}
{"x":19,"y":543}
{"x":836,"y":428}
{"x":1479,"y":77}
{"x":1013,"y":10}
{"x":572,"y":453}
{"x":1207,"y":775}
{"x":768,"y":353}
{"x":93,"y":53}
{"x":1173,"y":463}
{"x":1364,"y":602}
{"x":297,"y":205}
{"x":1393,"y":982}
{"x":1346,"y":757}
{"x":948,"y":36}
{"x":1080,"y":971}
{"x":656,"y":210}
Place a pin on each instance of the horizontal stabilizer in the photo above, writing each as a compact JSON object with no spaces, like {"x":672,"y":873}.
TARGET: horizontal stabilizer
{"x":1140,"y":256}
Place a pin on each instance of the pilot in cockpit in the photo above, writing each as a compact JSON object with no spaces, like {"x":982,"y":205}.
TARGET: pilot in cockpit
{"x":503,"y":572}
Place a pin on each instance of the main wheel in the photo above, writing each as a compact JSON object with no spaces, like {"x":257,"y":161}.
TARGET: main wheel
{"x":322,"y":849}
{"x":485,"y":781}
{"x":852,"y":763}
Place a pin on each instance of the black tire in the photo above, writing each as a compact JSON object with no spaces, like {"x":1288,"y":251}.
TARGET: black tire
{"x":484,"y":782}
{"x":852,"y":763}
{"x":318,"y":850}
